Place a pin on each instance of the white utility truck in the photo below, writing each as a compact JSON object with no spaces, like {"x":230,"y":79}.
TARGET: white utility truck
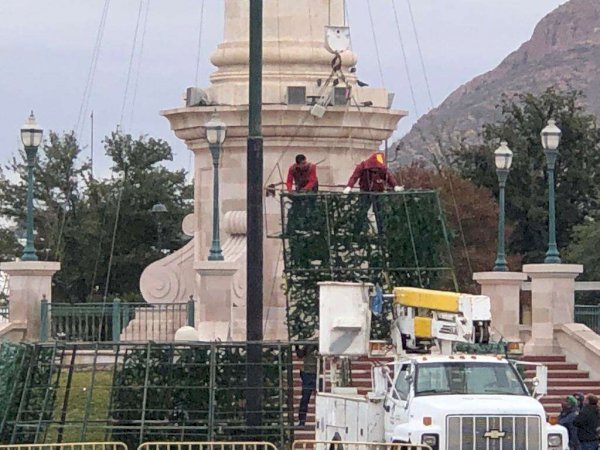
{"x":430,"y":394}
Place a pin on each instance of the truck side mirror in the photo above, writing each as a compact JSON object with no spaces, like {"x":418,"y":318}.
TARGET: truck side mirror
{"x":540,"y":382}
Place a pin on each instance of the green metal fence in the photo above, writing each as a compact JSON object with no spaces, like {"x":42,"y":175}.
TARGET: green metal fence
{"x":114,"y":321}
{"x":588,"y":315}
{"x":76,"y":392}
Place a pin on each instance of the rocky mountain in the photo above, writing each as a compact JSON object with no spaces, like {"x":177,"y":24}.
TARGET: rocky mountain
{"x":564,"y":51}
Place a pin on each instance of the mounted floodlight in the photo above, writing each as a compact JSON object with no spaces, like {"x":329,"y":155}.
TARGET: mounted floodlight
{"x":337,"y":39}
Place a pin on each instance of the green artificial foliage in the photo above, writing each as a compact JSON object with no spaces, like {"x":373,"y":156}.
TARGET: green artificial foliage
{"x":197,"y":393}
{"x":334,"y":237}
{"x":25,"y":379}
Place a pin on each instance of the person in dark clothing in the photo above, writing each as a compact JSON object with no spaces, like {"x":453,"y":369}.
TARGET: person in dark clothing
{"x":567,"y":416}
{"x":587,"y":423}
{"x":373,"y":177}
{"x":580,"y":396}
{"x":308,"y":374}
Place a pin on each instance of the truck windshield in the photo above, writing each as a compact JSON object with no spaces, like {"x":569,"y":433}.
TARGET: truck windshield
{"x":450,"y":378}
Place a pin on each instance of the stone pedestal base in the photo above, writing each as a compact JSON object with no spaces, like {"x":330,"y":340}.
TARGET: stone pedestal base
{"x":503,"y":288}
{"x":552,"y":303}
{"x":28,"y":283}
{"x":215,"y":304}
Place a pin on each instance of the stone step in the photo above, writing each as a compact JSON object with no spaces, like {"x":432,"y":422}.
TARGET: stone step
{"x":561,"y":366}
{"x":561,"y":374}
{"x":544,"y":359}
{"x":585,"y":382}
{"x":563,"y":391}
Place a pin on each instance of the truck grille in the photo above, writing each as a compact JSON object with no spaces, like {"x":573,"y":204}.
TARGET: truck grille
{"x":494,"y":433}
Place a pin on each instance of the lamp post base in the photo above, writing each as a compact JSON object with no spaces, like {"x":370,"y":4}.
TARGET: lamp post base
{"x":215,"y":254}
{"x":552,"y":260}
{"x":29,"y":255}
{"x":552,"y":256}
{"x":500,"y":266}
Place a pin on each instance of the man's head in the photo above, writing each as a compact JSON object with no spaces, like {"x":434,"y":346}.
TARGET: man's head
{"x":300,"y":160}
{"x":570,"y":402}
{"x":591,"y":400}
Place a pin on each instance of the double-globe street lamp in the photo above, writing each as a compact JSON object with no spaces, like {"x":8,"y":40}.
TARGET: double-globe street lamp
{"x":503,"y":159}
{"x":550,"y":141}
{"x":215,"y":135}
{"x":31,"y":136}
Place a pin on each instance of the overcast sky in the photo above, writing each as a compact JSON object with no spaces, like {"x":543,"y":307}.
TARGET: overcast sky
{"x":46,"y":49}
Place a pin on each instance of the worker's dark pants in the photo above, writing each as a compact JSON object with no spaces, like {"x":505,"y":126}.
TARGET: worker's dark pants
{"x":365,"y":202}
{"x":309,"y":384}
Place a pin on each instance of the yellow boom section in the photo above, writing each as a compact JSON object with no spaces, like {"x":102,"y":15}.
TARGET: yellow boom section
{"x":422,"y":327}
{"x":427,"y":298}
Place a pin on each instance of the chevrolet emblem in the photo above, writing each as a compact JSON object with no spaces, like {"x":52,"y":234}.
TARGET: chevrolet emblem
{"x":494,"y":434}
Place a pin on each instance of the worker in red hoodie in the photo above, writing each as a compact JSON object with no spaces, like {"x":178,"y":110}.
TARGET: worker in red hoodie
{"x":302,"y":174}
{"x":374,"y":177}
{"x":301,"y":179}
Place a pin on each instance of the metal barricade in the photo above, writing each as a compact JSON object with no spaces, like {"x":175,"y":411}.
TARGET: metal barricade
{"x":241,"y":445}
{"x":67,"y":446}
{"x":350,"y":445}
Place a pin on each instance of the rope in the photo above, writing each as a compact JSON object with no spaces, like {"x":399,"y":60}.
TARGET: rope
{"x":329,"y":238}
{"x":376,"y":44}
{"x":458,"y":217}
{"x":87,"y":92}
{"x":131,"y":58}
{"x":199,"y":54}
{"x":296,"y":133}
{"x":98,"y":253}
{"x":412,"y":19}
{"x":412,"y":240}
{"x":405,"y":58}
{"x":139,"y":66}
{"x":112,"y":245}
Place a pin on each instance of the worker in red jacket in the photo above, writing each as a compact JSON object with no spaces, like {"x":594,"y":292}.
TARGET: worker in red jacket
{"x":301,"y":208}
{"x":302,"y":174}
{"x":373,"y":178}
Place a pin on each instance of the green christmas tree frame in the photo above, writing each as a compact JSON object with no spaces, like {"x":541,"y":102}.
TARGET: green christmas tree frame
{"x":330,"y":236}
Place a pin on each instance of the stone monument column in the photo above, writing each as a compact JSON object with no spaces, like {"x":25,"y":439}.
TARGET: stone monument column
{"x":294,"y":55}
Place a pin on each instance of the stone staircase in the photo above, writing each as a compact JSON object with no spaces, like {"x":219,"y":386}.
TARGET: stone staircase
{"x":564,"y":379}
{"x":361,"y":379}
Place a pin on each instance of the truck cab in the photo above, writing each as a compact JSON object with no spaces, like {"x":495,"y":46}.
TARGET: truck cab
{"x":465,"y":402}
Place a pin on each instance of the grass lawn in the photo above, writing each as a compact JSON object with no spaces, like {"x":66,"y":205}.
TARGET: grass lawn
{"x":83,"y":403}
